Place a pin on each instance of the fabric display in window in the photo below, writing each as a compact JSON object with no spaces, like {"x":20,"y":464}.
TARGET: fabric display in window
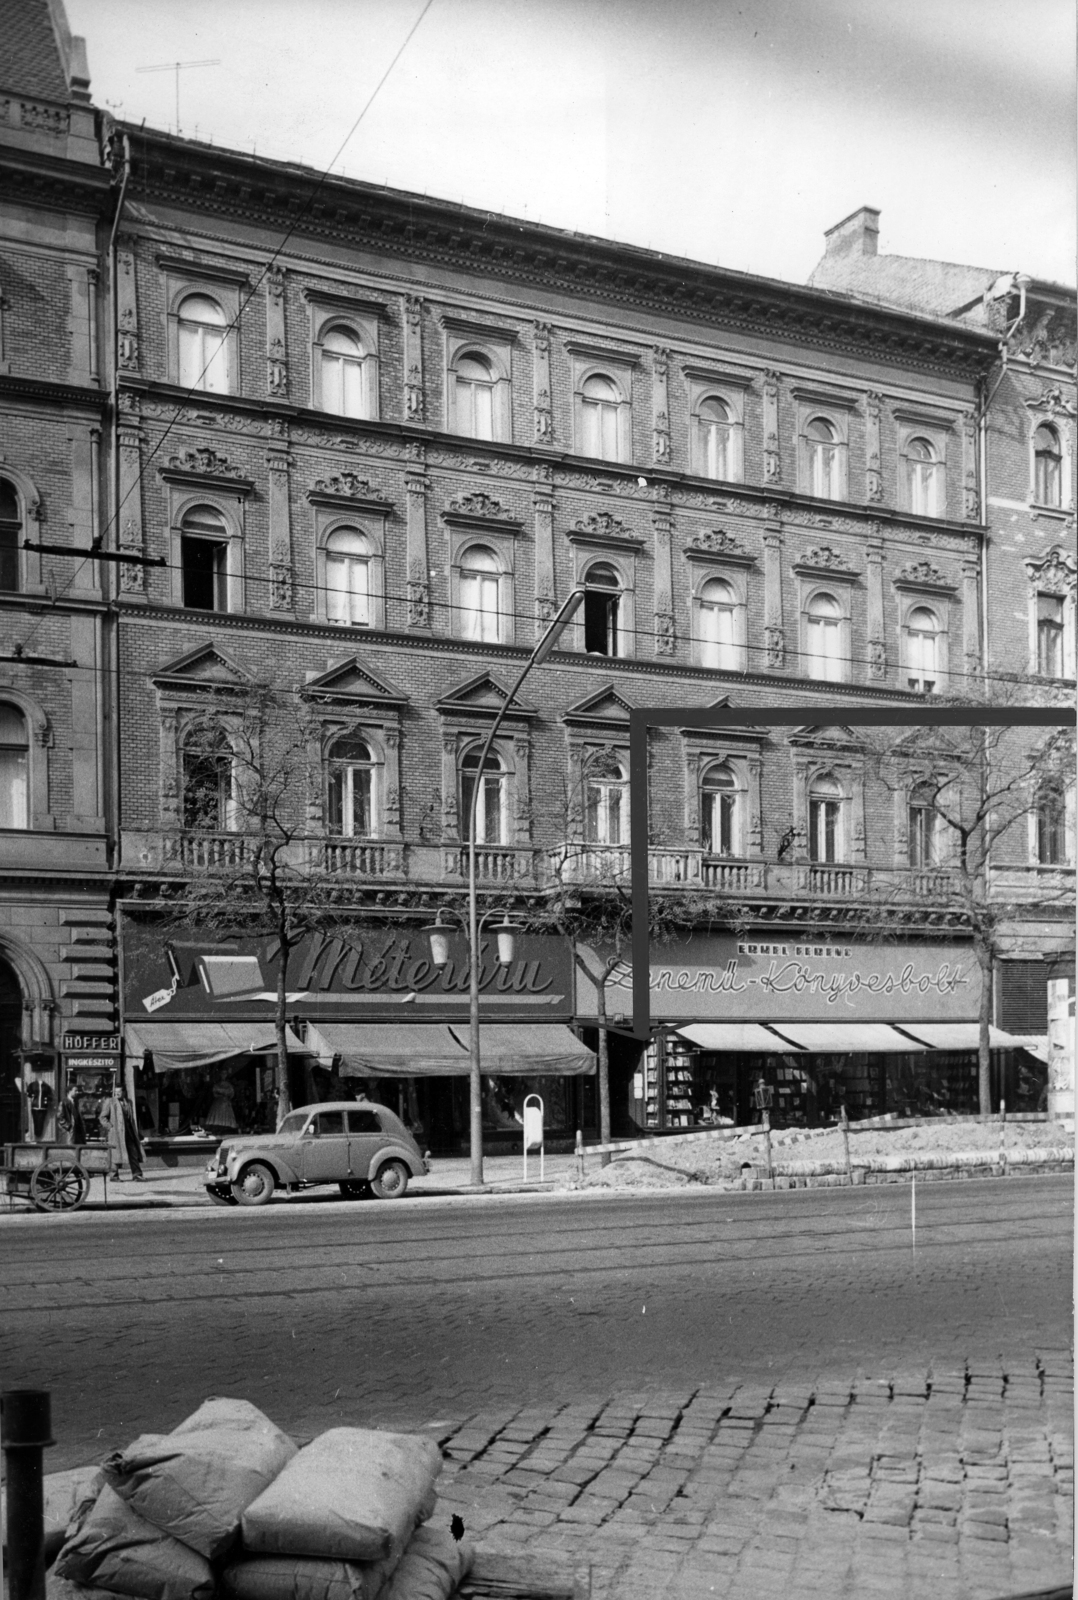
{"x":220,"y":1118}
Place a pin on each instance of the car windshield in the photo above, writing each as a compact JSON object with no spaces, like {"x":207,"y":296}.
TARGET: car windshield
{"x":294,"y":1122}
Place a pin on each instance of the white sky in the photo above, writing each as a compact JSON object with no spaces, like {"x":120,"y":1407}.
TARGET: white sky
{"x":732,"y":131}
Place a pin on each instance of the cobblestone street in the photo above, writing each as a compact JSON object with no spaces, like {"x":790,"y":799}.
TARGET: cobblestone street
{"x":697,"y":1394}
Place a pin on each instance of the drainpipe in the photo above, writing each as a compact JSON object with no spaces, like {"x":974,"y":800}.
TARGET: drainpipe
{"x":113,"y":768}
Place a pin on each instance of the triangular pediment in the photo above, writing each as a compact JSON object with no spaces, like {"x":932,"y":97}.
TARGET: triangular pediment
{"x":723,"y":730}
{"x":606,"y":705}
{"x":350,"y":680}
{"x":205,"y":667}
{"x":811,"y":736}
{"x":482,"y":696}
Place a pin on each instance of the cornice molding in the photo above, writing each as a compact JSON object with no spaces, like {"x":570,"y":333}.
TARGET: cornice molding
{"x":362,"y":305}
{"x":64,"y":394}
{"x":197,"y":267}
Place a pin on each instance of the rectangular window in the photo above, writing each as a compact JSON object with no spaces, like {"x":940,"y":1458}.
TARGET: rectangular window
{"x":1050,"y":635}
{"x":479,"y":607}
{"x":205,"y":574}
{"x":922,"y":829}
{"x":348,"y":599}
{"x":718,"y":647}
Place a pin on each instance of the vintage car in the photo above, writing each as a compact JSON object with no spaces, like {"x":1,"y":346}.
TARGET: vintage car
{"x":358,"y":1145}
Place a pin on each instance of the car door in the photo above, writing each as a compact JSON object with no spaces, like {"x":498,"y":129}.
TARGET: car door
{"x":365,"y":1139}
{"x":325,"y":1148}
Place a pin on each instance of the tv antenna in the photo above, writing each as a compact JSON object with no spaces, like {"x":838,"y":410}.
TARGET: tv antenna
{"x":177,"y":67}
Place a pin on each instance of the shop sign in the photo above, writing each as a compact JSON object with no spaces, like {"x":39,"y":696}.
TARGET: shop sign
{"x":91,"y":1052}
{"x":720,"y":978}
{"x":378,"y":974}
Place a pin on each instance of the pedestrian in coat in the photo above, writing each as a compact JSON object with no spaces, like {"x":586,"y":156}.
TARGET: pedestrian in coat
{"x":111,"y":1119}
{"x":132,"y":1142}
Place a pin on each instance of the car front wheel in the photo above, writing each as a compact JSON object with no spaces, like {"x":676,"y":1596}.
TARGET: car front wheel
{"x":354,"y":1188}
{"x":254,"y":1186}
{"x":391,"y":1181}
{"x":221,"y":1194}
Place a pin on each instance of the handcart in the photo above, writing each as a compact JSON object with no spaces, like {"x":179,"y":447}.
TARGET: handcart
{"x":53,"y":1177}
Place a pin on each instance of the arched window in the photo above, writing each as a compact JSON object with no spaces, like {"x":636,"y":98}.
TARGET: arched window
{"x":717,"y":626}
{"x":209,"y":800}
{"x":1050,"y":626}
{"x":203,"y":339}
{"x":474,"y":396}
{"x":924,"y":825}
{"x":823,"y":638}
{"x":606,"y":801}
{"x":922,"y":650}
{"x":10,"y":536}
{"x":348,"y":578}
{"x":824,"y":459}
{"x":717,"y":451}
{"x":923,"y":478}
{"x":825,"y":819}
{"x":1047,"y":465}
{"x":602,"y":592}
{"x":204,"y":559}
{"x":1051,"y":822}
{"x":343,"y":388}
{"x":490,"y":802}
{"x":14,"y":768}
{"x":600,"y":405}
{"x":353,"y":792}
{"x":480,"y":580}
{"x":720,"y":812}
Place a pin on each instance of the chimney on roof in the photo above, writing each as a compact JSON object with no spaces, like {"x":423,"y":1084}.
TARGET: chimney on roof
{"x":856,"y":235}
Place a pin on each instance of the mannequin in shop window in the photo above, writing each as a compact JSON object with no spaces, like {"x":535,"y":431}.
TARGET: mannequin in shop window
{"x":220,"y":1118}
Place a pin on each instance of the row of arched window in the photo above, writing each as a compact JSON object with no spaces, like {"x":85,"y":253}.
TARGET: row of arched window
{"x":354,"y":777}
{"x":346,"y":385}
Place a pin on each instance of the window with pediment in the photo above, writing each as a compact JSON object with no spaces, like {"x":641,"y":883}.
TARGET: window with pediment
{"x":489,"y":789}
{"x":721,"y":811}
{"x":354,"y":788}
{"x":826,"y":816}
{"x":606,"y":800}
{"x":208,"y":781}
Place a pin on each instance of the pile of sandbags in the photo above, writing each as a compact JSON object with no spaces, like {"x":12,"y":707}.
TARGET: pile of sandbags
{"x":226,"y":1508}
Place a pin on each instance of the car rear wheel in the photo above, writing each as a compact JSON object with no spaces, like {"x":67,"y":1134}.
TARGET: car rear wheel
{"x":254,"y":1186}
{"x":391,"y":1181}
{"x":220,"y":1194}
{"x":354,"y":1188}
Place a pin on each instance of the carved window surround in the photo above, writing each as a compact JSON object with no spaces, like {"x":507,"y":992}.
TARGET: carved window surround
{"x":347,"y":492}
{"x":475,"y":328}
{"x":479,"y":513}
{"x":593,"y":352}
{"x":815,"y":564}
{"x":203,"y":469}
{"x":746,"y":764}
{"x":360,"y":305}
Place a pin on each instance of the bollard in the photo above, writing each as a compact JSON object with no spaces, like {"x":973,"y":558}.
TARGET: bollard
{"x":767,"y":1145}
{"x":844,"y":1124}
{"x":25,"y":1430}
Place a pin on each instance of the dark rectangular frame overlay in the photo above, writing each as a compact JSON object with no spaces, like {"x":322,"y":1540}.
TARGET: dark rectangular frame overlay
{"x":641,"y":718}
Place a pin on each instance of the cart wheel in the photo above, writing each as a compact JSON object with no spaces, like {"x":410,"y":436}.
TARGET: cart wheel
{"x":58,"y":1186}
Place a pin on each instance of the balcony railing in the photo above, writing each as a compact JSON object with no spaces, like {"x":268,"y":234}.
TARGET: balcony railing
{"x":1053,"y":885}
{"x":208,"y":852}
{"x":497,"y":864}
{"x":362,"y":858}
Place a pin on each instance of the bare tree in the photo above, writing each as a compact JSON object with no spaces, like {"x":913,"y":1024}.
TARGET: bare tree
{"x":976,"y":799}
{"x":252,"y":761}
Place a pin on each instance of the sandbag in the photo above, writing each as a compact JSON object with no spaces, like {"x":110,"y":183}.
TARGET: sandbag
{"x":57,"y":1588}
{"x":303,"y":1578}
{"x":63,"y":1494}
{"x":354,"y":1494}
{"x":114,"y":1548}
{"x":196,"y":1481}
{"x":431,"y":1567}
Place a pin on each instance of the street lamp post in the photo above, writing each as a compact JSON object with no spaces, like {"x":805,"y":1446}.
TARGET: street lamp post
{"x":542,"y":650}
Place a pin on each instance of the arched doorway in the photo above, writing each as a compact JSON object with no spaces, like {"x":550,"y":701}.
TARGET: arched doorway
{"x":10,"y":1043}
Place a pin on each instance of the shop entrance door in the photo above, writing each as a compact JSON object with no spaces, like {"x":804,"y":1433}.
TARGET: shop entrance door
{"x":325,"y":1149}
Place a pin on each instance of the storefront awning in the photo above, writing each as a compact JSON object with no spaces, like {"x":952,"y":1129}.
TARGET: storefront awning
{"x":177,"y":1046}
{"x":529,"y":1050}
{"x":436,"y":1050}
{"x":825,"y":1038}
{"x":752,"y":1037}
{"x":963,"y":1036}
{"x":390,"y":1049}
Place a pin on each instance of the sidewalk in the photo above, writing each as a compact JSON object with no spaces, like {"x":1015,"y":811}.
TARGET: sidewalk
{"x":944,"y":1485}
{"x":162,"y":1188}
